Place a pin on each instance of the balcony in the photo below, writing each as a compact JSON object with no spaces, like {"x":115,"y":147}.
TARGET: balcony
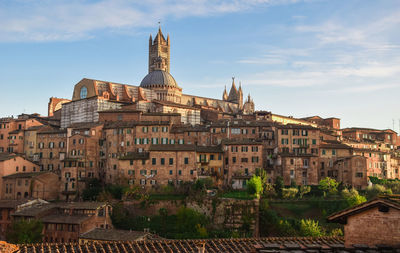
{"x":203,"y":161}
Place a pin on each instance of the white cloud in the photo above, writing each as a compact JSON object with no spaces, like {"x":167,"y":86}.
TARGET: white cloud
{"x":50,"y":20}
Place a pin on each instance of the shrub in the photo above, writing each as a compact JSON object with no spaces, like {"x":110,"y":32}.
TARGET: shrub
{"x":304,"y":189}
{"x":377,"y":189}
{"x":254,"y":186}
{"x":310,"y":227}
{"x":336,"y":232}
{"x":289,"y":193}
{"x":25,"y":231}
{"x":328,"y":185}
{"x":352,"y":197}
{"x":279,"y":186}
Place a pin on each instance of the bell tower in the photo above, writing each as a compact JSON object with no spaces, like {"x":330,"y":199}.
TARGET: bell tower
{"x":159,"y":52}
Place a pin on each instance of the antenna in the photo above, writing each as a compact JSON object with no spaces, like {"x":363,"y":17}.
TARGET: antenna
{"x":393,"y":124}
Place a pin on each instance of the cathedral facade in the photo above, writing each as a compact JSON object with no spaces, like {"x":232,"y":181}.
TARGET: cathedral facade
{"x":157,"y":92}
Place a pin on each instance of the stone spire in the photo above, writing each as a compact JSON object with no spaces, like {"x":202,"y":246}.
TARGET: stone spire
{"x":233,"y":93}
{"x":159,"y":52}
{"x":225,"y":95}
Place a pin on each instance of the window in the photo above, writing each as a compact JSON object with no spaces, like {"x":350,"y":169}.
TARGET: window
{"x":153,"y":172}
{"x":154,"y":140}
{"x":145,"y":129}
{"x":314,"y":141}
{"x":162,"y":161}
{"x":51,"y":144}
{"x":211,"y":157}
{"x":245,"y":160}
{"x":284,"y":132}
{"x":17,"y":168}
{"x":233,"y":159}
{"x":359,"y":174}
{"x":179,"y":172}
{"x":61,"y":144}
{"x":83,"y":93}
{"x":143,"y":172}
{"x":170,"y":172}
{"x":245,"y":149}
{"x":171,"y":161}
{"x":254,"y":159}
{"x":154,"y":129}
{"x":153,"y":161}
{"x":333,"y":152}
{"x":143,"y":181}
{"x":23,"y":168}
{"x":234,"y":149}
{"x":164,"y":129}
{"x":323,"y":151}
{"x":235,"y":130}
{"x":186,"y":160}
{"x":254,"y":149}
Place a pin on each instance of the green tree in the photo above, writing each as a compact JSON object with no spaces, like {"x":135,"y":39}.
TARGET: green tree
{"x":279,"y":186}
{"x":92,"y":190}
{"x":352,"y":197}
{"x":25,"y":231}
{"x":328,"y":185}
{"x":254,"y":186}
{"x":310,"y":227}
{"x":189,"y":220}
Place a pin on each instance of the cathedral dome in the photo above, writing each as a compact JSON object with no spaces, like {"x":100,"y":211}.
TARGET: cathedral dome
{"x":158,"y":78}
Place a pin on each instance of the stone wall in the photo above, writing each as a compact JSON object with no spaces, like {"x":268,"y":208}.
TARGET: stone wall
{"x":224,"y":213}
{"x":373,"y":227}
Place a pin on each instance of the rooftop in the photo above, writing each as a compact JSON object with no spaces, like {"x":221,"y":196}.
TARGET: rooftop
{"x":240,"y":245}
{"x":116,"y":235}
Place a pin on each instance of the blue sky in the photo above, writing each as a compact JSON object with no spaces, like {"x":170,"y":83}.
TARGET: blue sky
{"x":330,"y":58}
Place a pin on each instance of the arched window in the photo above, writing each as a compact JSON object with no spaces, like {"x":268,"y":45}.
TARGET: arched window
{"x":83,"y":92}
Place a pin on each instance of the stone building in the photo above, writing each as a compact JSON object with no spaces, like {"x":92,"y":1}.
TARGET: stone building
{"x":297,"y":156}
{"x":41,"y":184}
{"x":64,"y":222}
{"x":157,"y":92}
{"x":11,"y":164}
{"x":372,"y":223}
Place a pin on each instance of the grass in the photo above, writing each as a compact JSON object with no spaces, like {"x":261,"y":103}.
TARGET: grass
{"x":167,"y":197}
{"x":237,"y":195}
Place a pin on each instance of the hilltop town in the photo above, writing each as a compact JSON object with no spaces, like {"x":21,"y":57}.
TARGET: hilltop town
{"x":113,"y":146}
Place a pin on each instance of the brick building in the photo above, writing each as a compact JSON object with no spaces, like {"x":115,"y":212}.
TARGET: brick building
{"x":64,"y":222}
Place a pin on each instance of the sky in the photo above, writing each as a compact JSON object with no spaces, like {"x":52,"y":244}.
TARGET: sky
{"x":333,"y":58}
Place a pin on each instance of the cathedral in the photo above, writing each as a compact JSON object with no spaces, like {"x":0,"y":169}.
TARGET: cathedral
{"x":158,"y":92}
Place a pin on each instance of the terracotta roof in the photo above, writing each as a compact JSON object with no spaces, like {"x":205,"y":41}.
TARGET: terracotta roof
{"x":392,"y":201}
{"x":116,"y":235}
{"x":34,"y":211}
{"x":169,"y":103}
{"x":296,"y":126}
{"x":173,"y":147}
{"x":136,"y":156}
{"x":11,"y":203}
{"x":6,"y":156}
{"x":334,"y":144}
{"x":64,"y":219}
{"x":241,"y":245}
{"x":85,"y":125}
{"x":131,"y":124}
{"x":81,"y":205}
{"x":189,"y":128}
{"x":25,"y":174}
{"x":241,"y":142}
{"x":15,"y":131}
{"x":209,"y":149}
